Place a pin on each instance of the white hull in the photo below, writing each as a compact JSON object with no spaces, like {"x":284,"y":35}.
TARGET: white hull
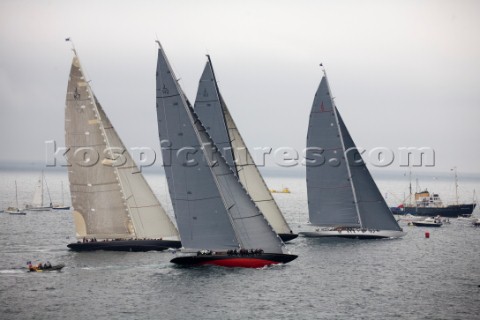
{"x":354,"y":234}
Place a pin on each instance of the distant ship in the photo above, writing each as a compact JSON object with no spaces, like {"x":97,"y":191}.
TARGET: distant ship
{"x":430,"y":204}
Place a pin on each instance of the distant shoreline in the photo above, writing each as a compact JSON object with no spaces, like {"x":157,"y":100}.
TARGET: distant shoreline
{"x":267,"y":171}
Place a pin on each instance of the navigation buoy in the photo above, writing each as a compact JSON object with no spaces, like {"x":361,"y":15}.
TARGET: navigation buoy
{"x":427,"y":234}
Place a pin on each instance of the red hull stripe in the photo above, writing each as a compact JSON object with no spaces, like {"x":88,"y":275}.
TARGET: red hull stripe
{"x":240,"y":263}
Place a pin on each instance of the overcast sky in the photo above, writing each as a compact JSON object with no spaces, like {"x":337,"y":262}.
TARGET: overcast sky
{"x":404,"y":73}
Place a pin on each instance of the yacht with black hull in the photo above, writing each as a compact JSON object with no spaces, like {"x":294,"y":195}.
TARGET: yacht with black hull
{"x":343,"y":199}
{"x":214,"y":213}
{"x":215,"y":116}
{"x":253,"y":260}
{"x":114,"y":208}
{"x":137,"y":245}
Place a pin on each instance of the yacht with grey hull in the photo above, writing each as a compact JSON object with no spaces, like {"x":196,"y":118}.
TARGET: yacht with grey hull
{"x":215,"y":116}
{"x":215,"y":215}
{"x":114,"y":208}
{"x":343,"y":199}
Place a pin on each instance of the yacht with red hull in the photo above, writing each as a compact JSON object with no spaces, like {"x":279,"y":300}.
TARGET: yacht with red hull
{"x":232,"y":261}
{"x":217,"y":216}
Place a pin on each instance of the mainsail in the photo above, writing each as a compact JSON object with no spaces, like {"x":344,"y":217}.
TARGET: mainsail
{"x":215,"y":116}
{"x":37,"y":200}
{"x":213,"y":210}
{"x":110,"y":196}
{"x":341,"y":191}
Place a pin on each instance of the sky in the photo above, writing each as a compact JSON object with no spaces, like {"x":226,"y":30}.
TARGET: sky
{"x":403,"y":73}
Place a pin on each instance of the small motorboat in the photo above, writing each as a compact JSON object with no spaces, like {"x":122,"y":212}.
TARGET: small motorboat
{"x":45,"y":267}
{"x":428,"y":222}
{"x":476,"y":222}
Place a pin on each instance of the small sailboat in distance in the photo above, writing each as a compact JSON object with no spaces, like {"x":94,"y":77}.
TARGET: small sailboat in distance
{"x":114,"y":208}
{"x":215,"y":215}
{"x":15,"y":210}
{"x":215,"y":116}
{"x":38,"y":203}
{"x":343,"y":199}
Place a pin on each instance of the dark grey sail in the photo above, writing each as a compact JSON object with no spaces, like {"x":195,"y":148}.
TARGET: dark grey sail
{"x":251,"y":228}
{"x":331,"y":200}
{"x":212,"y":208}
{"x":374,"y":211}
{"x":215,"y":116}
{"x":341,"y":191}
{"x":209,"y":109}
{"x":197,"y":203}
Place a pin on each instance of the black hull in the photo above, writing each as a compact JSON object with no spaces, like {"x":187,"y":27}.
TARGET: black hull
{"x":452,"y":211}
{"x":126,"y":245}
{"x":287,"y":236}
{"x":234,"y":261}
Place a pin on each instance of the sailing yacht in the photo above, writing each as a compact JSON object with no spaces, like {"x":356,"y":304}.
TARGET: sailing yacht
{"x":114,"y":208}
{"x":15,"y":210}
{"x":215,"y":116}
{"x":216,"y":217}
{"x":38,"y":203}
{"x":61,"y":206}
{"x":343,"y":199}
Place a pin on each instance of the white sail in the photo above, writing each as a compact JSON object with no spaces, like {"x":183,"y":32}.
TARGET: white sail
{"x":38,"y":203}
{"x":252,"y":180}
{"x":37,"y":200}
{"x":110,"y":197}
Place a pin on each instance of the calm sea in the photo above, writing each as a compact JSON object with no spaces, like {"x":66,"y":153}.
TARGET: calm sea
{"x":410,"y":278}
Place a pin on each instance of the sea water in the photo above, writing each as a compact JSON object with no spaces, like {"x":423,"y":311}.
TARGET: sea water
{"x":409,"y":278}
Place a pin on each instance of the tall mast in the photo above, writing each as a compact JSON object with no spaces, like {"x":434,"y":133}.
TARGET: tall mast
{"x":48,"y":192}
{"x":63,"y":202}
{"x":16,"y":194}
{"x":410,"y":186}
{"x":41,"y":188}
{"x":343,"y":148}
{"x":223,"y":115}
{"x":456,"y":184}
